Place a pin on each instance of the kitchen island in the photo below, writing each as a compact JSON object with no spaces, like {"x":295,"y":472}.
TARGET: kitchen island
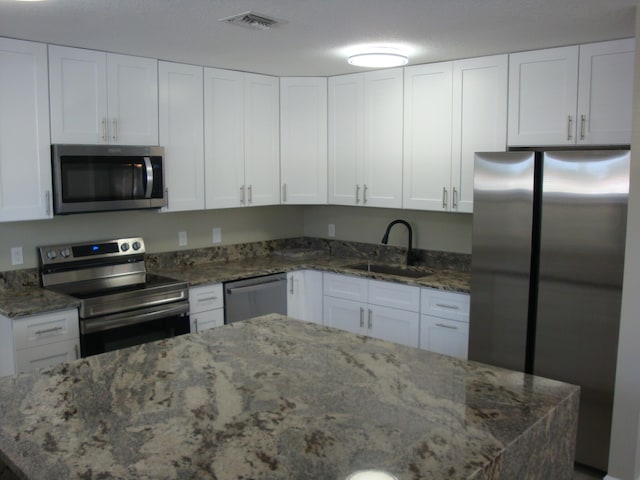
{"x":278,"y":398}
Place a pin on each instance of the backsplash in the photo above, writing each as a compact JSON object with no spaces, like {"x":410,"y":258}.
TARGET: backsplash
{"x":299,"y":247}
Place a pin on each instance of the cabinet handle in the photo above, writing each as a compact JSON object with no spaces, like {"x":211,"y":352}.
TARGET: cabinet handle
{"x":104,"y":129}
{"x":47,"y":201}
{"x":450,"y":307}
{"x":454,"y":205}
{"x":444,"y":197}
{"x":75,"y":350}
{"x":446,"y":326}
{"x":291,"y":287}
{"x":583,"y":121}
{"x":166,"y":197}
{"x":569,"y":127}
{"x":361,"y":317}
{"x":357,"y":194}
{"x":195,"y":325}
{"x":114,"y":134}
{"x":370,"y":319}
{"x":250,"y":194}
{"x":206,"y":299}
{"x":364,"y":193}
{"x":48,"y":330}
{"x":242,"y":194}
{"x":284,"y":192}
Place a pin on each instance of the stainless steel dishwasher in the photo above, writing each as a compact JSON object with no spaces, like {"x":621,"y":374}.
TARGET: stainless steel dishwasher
{"x":256,"y":296}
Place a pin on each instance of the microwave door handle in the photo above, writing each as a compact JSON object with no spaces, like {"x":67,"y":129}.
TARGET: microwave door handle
{"x":149,"y":168}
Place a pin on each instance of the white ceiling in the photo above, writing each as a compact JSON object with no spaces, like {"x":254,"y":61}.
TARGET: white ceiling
{"x":314,"y":35}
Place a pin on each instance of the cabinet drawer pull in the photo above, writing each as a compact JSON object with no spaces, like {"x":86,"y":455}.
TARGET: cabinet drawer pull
{"x":569,"y":127}
{"x":242,"y":194}
{"x":206,"y":299}
{"x":250,"y":194}
{"x":446,"y":326}
{"x":583,"y":121}
{"x":454,"y":204}
{"x":48,"y":330}
{"x":357,"y":194}
{"x":115,"y":129}
{"x":444,"y":197}
{"x":370,"y":319}
{"x":444,"y":305}
{"x":364,"y":193}
{"x":361,"y":317}
{"x":104,"y":129}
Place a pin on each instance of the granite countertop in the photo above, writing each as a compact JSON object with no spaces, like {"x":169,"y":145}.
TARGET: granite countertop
{"x":20,"y":302}
{"x":277,"y":398}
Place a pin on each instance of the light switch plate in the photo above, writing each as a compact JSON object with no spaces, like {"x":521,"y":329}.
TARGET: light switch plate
{"x":217,"y":235}
{"x":182,"y":239}
{"x":16,"y":256}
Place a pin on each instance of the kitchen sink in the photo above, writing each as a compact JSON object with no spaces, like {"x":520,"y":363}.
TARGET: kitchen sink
{"x":398,"y":270}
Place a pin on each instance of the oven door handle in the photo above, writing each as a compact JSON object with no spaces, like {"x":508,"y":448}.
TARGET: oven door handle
{"x":123,"y":319}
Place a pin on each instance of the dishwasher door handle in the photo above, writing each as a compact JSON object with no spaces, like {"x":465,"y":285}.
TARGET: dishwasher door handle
{"x":255,"y":287}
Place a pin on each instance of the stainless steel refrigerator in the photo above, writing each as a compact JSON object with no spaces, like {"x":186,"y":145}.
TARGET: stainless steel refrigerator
{"x":547,"y":264}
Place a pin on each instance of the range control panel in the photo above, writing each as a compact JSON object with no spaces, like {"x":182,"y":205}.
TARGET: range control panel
{"x":55,"y":254}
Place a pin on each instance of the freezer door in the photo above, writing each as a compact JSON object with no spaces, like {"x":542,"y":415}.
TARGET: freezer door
{"x":501,"y":257}
{"x":582,"y":239}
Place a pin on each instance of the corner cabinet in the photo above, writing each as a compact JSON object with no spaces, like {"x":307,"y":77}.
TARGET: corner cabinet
{"x":304,"y":295}
{"x":242,"y":150}
{"x":25,"y":155}
{"x":182,"y":134}
{"x":578,"y":95}
{"x":102,"y":98}
{"x":365,"y":139}
{"x":451,"y":111}
{"x":303,"y":140}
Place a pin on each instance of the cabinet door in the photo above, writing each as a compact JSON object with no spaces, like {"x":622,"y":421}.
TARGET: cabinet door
{"x":32,"y":359}
{"x":78,"y":89}
{"x":45,"y":328}
{"x":450,"y":305}
{"x":399,"y":326}
{"x":427,"y":136}
{"x":304,"y":295}
{"x":262,"y":139}
{"x":7,"y":357}
{"x":605,"y":92}
{"x":345,"y":315}
{"x":394,"y":295}
{"x":224,"y":138}
{"x":182,"y":134}
{"x":25,"y":155}
{"x":206,"y":297}
{"x":447,"y":337}
{"x":543,"y":91}
{"x":382,"y":138}
{"x":132,"y":93}
{"x":345,"y":139}
{"x":345,"y":286}
{"x":295,"y":295}
{"x":303,"y":140}
{"x":479,"y":120}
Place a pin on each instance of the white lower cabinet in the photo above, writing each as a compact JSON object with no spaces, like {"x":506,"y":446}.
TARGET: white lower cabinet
{"x":304,"y":295}
{"x":444,"y":323}
{"x":38,"y":341}
{"x":384,"y":310}
{"x":206,"y":307}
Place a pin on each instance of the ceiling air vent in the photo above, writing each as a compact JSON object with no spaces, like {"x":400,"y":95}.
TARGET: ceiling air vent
{"x":250,"y":20}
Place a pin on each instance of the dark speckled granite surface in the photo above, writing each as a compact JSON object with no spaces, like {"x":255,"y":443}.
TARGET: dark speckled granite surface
{"x":277,"y":399}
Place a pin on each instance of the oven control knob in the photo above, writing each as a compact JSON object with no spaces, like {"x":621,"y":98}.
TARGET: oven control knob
{"x":65,"y":252}
{"x":51,"y":254}
{"x":136,"y":245}
{"x":124,"y":247}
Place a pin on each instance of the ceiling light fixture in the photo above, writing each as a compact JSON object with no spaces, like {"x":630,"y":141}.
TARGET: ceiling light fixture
{"x":371,"y":475}
{"x":380,"y":57}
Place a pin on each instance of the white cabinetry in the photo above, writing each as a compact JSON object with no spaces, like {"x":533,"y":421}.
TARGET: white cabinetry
{"x":444,"y":326}
{"x":39,"y":341}
{"x":241,"y":112}
{"x":303,"y":140}
{"x":572,"y":95}
{"x":365,"y":139}
{"x":206,"y":307}
{"x":25,"y":158}
{"x":452,"y":110}
{"x":182,"y":134}
{"x":99,"y":97}
{"x":384,"y":310}
{"x":304,"y":295}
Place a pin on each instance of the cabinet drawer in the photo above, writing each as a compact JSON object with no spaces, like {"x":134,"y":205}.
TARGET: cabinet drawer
{"x":344,"y":286}
{"x":447,"y":337}
{"x":42,"y":356}
{"x":394,"y":295}
{"x":46,"y":328}
{"x":454,"y":306}
{"x":205,"y":320}
{"x":206,"y":297}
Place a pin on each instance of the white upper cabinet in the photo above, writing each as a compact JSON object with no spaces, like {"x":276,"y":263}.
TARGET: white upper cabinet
{"x":452,"y":110}
{"x":25,"y":158}
{"x":572,"y":95}
{"x":182,"y":134}
{"x":365,"y":139}
{"x":99,"y":97}
{"x":605,"y":92}
{"x":303,"y":140}
{"x":241,"y":112}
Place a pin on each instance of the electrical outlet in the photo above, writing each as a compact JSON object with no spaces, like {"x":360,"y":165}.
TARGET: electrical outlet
{"x":217,"y":235}
{"x":182,"y":238}
{"x":332,"y":230}
{"x":16,"y":256}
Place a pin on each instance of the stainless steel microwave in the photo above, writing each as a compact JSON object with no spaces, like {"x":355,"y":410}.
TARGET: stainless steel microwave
{"x":98,"y":178}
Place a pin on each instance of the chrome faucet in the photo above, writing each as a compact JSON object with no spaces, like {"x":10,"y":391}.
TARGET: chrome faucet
{"x":385,"y":238}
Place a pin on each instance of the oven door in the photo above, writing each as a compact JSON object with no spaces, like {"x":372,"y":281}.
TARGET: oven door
{"x":135,"y":327}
